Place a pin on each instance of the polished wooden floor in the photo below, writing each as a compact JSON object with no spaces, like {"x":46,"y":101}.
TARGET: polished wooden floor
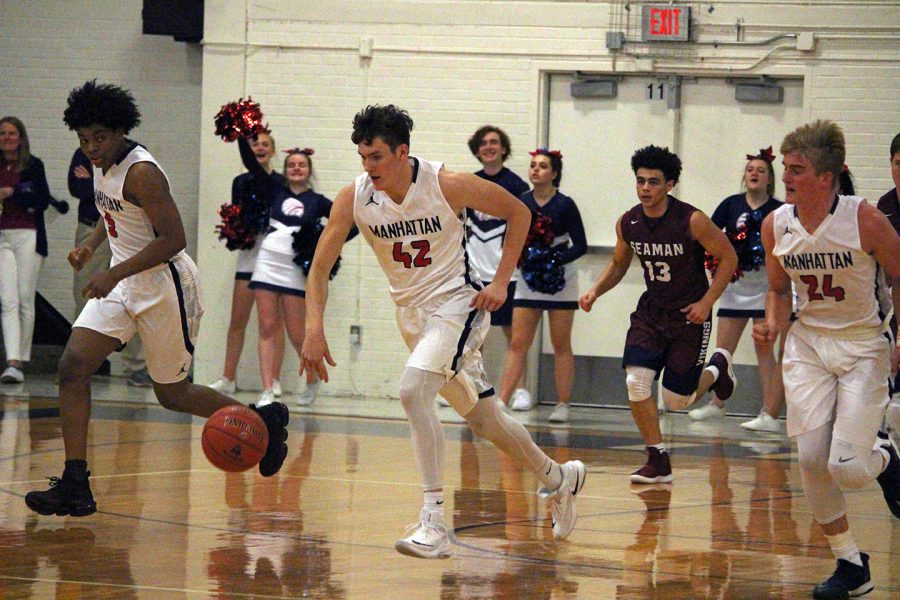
{"x":733,"y":525}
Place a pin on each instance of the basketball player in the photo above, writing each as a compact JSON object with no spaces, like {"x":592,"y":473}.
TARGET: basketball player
{"x":837,"y":356}
{"x":670,"y":327}
{"x":150,"y":287}
{"x":889,"y":204}
{"x":411,"y":212}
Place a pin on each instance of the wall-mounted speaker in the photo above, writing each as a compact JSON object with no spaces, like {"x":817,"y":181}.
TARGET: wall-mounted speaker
{"x":182,"y":19}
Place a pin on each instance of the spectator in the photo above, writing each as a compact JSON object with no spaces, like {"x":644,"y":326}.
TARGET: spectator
{"x":24,"y":196}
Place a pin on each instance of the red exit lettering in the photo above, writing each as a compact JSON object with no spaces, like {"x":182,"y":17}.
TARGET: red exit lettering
{"x":664,"y":21}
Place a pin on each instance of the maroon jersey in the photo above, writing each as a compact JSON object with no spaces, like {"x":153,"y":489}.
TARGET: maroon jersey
{"x":671,"y":258}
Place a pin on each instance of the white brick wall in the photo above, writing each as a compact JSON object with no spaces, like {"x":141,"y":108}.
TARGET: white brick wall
{"x":458,"y":65}
{"x":51,"y":47}
{"x":453,"y":65}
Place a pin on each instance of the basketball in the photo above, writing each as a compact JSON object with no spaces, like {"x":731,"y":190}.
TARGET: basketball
{"x":235,"y":438}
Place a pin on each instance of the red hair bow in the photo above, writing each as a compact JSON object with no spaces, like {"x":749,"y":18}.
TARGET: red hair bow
{"x":765,"y":154}
{"x":298,"y":150}
{"x":546,"y":152}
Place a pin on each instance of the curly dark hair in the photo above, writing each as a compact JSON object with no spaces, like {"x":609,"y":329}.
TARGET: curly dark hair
{"x":390,"y":123}
{"x":660,"y":159}
{"x":475,"y":140}
{"x":101,"y":104}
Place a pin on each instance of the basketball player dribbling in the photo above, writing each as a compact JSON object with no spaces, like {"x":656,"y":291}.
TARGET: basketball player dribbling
{"x":671,"y":325}
{"x":411,"y":212}
{"x":837,"y":353}
{"x":150,"y":287}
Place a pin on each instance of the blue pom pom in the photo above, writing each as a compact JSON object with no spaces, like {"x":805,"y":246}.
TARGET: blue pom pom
{"x":542,"y":270}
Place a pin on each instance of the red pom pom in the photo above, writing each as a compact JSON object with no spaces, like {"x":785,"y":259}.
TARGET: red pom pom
{"x":712,"y":265}
{"x":236,"y":233}
{"x":240,"y":119}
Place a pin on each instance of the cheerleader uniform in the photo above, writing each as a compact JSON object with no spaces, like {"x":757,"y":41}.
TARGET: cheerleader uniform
{"x":275,"y":269}
{"x":571,"y":242}
{"x":254,"y":186}
{"x":487,"y":235}
{"x":746,"y":297}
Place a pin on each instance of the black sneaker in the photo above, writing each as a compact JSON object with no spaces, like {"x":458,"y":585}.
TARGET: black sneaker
{"x":889,"y":480}
{"x":726,"y":382}
{"x":657,"y":469}
{"x":68,"y":495}
{"x":276,"y":417}
{"x":848,"y":581}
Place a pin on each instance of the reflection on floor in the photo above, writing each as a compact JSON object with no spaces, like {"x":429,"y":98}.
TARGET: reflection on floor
{"x":734,"y":523}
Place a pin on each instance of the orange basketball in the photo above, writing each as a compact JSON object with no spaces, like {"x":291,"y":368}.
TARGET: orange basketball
{"x":235,"y":438}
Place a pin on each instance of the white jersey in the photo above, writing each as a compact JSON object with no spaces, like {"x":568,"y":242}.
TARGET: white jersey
{"x":840,"y":288}
{"x":127,"y":226}
{"x":420,"y":243}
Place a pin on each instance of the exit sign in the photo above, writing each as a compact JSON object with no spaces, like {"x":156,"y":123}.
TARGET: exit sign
{"x":665,"y":23}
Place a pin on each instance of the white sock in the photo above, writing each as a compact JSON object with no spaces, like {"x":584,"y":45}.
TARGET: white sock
{"x":434,"y":500}
{"x":660,"y":447}
{"x":844,"y":546}
{"x":714,"y":370}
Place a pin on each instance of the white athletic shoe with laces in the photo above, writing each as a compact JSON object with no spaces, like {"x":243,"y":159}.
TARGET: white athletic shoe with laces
{"x":266,"y":397}
{"x":309,"y":393}
{"x":764,"y":422}
{"x":562,"y":500}
{"x":560,"y":414}
{"x":276,"y":388}
{"x":223,"y":385}
{"x":709,"y":411}
{"x":521,"y":400}
{"x":428,"y":537}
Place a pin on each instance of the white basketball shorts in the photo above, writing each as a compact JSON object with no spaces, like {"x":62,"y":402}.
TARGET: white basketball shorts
{"x":444,"y":336}
{"x":827,"y":378}
{"x":164,"y":305}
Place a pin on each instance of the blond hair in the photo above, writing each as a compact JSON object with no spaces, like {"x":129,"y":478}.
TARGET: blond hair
{"x":820,"y":142}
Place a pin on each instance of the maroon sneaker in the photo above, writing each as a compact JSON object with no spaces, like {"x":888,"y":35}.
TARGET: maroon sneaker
{"x":726,"y":382}
{"x":656,"y":470}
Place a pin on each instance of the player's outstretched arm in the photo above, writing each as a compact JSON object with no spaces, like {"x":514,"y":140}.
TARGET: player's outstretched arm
{"x":612,"y":274}
{"x":466,"y":190}
{"x":315,"y":350}
{"x":147,"y":187}
{"x":716,"y":243}
{"x":779,"y":300}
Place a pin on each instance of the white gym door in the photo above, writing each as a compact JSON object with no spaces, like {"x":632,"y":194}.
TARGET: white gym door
{"x":711,"y":132}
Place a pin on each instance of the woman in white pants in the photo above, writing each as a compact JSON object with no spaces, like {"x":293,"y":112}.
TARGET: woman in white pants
{"x":24,"y":196}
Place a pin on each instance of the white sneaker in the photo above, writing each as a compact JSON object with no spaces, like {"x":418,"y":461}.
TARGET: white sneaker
{"x":429,"y":538}
{"x":560,"y":414}
{"x":521,"y":400}
{"x":763,"y":422}
{"x":266,"y":397}
{"x":710,"y":411}
{"x":443,"y":402}
{"x":224,"y":385}
{"x":562,"y":500}
{"x":308,"y":395}
{"x":276,"y":388}
{"x":12,"y":375}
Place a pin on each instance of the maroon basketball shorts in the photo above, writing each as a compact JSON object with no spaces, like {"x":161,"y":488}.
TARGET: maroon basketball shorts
{"x":663,"y":340}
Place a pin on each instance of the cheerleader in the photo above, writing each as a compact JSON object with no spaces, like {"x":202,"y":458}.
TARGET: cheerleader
{"x":741,"y":216}
{"x":561,"y":216}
